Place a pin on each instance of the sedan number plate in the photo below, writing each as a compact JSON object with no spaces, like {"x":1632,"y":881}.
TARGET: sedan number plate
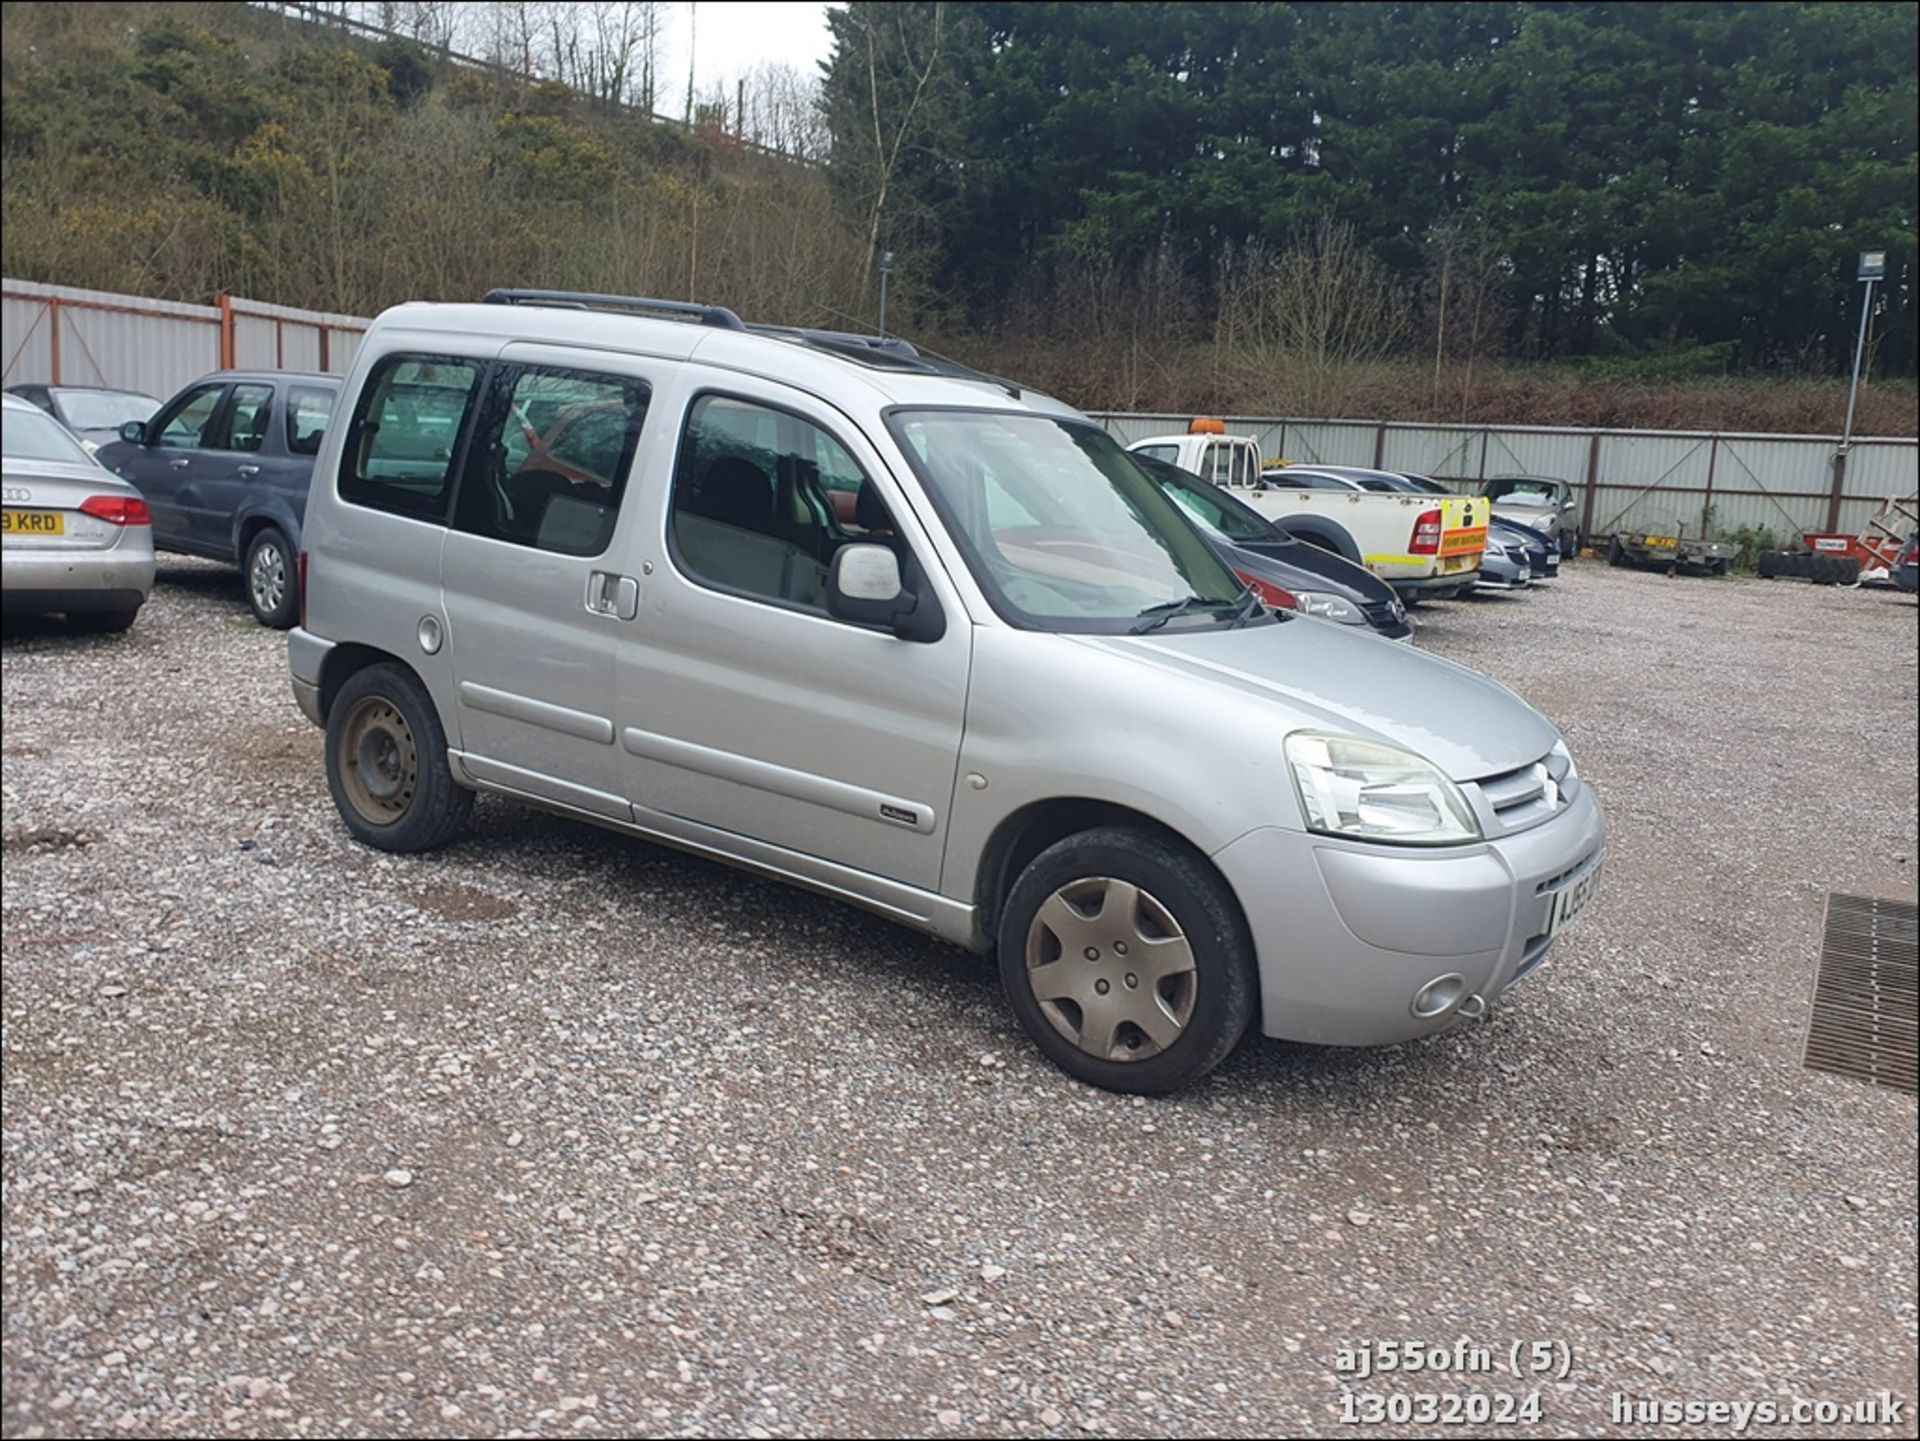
{"x":32,"y":522}
{"x":1574,"y":899}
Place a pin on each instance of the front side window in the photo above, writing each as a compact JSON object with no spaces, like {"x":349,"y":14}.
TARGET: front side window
{"x":248,"y":419}
{"x":550,"y":456}
{"x":1221,"y":512}
{"x":751,"y":512}
{"x":1063,"y":531}
{"x":186,"y":426}
{"x":405,"y":430}
{"x":308,"y":407}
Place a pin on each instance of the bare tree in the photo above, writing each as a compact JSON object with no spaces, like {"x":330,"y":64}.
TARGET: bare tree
{"x":890,"y":135}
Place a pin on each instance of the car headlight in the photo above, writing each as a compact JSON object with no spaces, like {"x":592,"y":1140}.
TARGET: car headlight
{"x":1374,"y":792}
{"x":1329,"y":607}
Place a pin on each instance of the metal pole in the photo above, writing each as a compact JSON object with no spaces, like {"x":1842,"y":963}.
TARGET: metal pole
{"x":886,"y":268}
{"x":1859,"y":350}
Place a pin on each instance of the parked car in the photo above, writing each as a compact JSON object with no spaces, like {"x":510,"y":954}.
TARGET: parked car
{"x":74,"y":539}
{"x":1505,"y":564}
{"x":225,"y":466}
{"x":93,"y":413}
{"x":1285,"y":573}
{"x":1540,"y":504}
{"x":1066,"y":735}
{"x":1542,"y":555}
{"x":1425,"y":548}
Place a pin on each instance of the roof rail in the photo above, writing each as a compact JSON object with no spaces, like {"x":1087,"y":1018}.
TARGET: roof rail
{"x":718,"y":316}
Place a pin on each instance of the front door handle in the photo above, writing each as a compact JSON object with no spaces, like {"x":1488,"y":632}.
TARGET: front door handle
{"x":614,"y":595}
{"x":246,"y":470}
{"x":179,"y":464}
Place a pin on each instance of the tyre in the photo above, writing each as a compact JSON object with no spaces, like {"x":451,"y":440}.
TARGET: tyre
{"x":102,"y":622}
{"x":271,"y":589}
{"x":1127,"y":960}
{"x":1616,"y":552}
{"x":1717,"y":566}
{"x":387,"y":763}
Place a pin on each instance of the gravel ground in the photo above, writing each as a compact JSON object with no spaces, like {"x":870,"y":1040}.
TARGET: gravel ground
{"x":555,"y":1132}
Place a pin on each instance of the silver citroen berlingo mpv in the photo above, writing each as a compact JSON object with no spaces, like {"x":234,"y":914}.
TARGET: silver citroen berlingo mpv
{"x":825,"y":607}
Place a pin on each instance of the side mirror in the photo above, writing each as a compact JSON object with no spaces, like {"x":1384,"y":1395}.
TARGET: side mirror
{"x":134,"y":432}
{"x":864,"y":587}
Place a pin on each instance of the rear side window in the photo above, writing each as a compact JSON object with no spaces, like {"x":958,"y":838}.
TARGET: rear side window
{"x":1169,"y":453}
{"x":550,"y":456}
{"x":248,"y":417}
{"x":308,"y":407}
{"x":399,"y":454}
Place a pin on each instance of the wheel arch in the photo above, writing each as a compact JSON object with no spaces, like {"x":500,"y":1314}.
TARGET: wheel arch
{"x":250,"y":522}
{"x":1329,"y":535}
{"x":347,"y":660}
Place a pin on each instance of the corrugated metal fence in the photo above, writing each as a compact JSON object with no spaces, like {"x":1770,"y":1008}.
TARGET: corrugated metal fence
{"x":54,"y":334}
{"x":1627,"y":479}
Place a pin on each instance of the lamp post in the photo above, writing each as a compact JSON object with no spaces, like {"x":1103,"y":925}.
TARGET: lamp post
{"x":886,"y":269}
{"x":1873,"y":266}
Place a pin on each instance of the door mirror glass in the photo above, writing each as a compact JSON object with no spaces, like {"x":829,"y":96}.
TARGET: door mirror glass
{"x":134,"y":432}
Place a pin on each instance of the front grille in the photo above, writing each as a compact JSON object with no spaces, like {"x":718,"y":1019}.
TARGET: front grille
{"x":1516,"y":799}
{"x":1382,"y":614}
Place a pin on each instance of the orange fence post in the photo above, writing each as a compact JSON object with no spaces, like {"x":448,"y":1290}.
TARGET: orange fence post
{"x":225,"y":302}
{"x":53,"y":317}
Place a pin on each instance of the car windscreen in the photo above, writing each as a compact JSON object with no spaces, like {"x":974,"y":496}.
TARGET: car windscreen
{"x":1212,"y":506}
{"x":104,"y":409}
{"x":35,"y":435}
{"x":1061,"y":529}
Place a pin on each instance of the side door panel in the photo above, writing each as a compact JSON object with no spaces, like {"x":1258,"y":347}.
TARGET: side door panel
{"x":163,"y":469}
{"x":231,"y":469}
{"x":764,"y":717}
{"x":538,"y":604}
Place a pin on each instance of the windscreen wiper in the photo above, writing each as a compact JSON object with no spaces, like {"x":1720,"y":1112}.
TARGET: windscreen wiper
{"x":1155,"y":616}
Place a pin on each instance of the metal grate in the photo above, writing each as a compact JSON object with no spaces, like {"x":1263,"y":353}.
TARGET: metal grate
{"x":1863,"y":1022}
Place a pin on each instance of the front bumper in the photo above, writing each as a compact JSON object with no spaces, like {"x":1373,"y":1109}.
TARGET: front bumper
{"x":119,"y":578}
{"x":1346,"y":933}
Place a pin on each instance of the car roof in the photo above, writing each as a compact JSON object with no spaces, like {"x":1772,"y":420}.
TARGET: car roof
{"x":808,"y":360}
{"x":101,"y":389}
{"x":19,"y":402}
{"x":305,"y":377}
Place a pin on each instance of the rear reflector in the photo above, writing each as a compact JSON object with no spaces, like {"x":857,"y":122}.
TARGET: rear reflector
{"x":117,"y":509}
{"x":1269,"y":595}
{"x":301,"y":568}
{"x":1426,"y":534}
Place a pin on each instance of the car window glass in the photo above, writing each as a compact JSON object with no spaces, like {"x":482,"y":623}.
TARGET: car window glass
{"x":1169,"y":453}
{"x":750,"y":507}
{"x":185,"y":425}
{"x":554,"y":483}
{"x":308,"y":407}
{"x":248,"y":417}
{"x":405,"y":430}
{"x":1220,"y":512}
{"x":35,"y":435}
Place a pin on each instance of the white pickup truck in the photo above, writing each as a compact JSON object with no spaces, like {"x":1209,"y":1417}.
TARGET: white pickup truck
{"x":1424,"y":546}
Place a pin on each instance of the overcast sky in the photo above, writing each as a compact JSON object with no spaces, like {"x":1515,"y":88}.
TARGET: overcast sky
{"x":732,"y":36}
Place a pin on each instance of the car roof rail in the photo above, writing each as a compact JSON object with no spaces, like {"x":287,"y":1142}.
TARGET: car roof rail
{"x":717,"y":316}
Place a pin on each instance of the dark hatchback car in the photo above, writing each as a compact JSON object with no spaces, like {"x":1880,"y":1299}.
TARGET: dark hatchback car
{"x":94,"y":413}
{"x":224,"y":467}
{"x":1285,"y":573}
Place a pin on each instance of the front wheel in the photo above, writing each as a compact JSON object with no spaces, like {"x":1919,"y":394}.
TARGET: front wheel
{"x":1127,"y":960}
{"x":269,"y":569}
{"x":387,"y":763}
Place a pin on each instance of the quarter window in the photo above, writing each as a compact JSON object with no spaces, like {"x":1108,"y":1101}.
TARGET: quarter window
{"x":550,"y":457}
{"x":185,"y":426}
{"x":751,"y":512}
{"x":405,"y":431}
{"x":308,"y":407}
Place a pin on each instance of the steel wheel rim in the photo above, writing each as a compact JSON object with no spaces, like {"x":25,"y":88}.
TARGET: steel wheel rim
{"x":1111,"y":970}
{"x":268,"y":577}
{"x":378,"y":762}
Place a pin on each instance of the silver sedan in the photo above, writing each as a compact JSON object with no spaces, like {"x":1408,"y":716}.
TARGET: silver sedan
{"x":75,"y":539}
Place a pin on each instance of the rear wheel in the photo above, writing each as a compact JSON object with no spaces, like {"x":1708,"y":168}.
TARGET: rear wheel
{"x":269,"y":570}
{"x":387,"y":763}
{"x":103,"y":622}
{"x":1127,"y":961}
{"x":1616,"y":552}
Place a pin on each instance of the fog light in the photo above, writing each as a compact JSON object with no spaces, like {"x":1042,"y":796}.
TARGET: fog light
{"x":1439,"y":996}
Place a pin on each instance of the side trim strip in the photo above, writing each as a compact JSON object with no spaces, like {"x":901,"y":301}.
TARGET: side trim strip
{"x":780,"y":780}
{"x":482,"y":771}
{"x":575,"y":723}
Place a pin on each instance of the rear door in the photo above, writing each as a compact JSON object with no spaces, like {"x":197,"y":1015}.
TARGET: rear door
{"x":232,"y":466}
{"x":174,"y":458}
{"x":538,"y":605}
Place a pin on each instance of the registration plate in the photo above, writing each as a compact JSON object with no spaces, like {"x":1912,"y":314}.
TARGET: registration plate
{"x":1464,"y":542}
{"x":32,"y":522}
{"x":1569,"y":902}
{"x":1661,"y":542}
